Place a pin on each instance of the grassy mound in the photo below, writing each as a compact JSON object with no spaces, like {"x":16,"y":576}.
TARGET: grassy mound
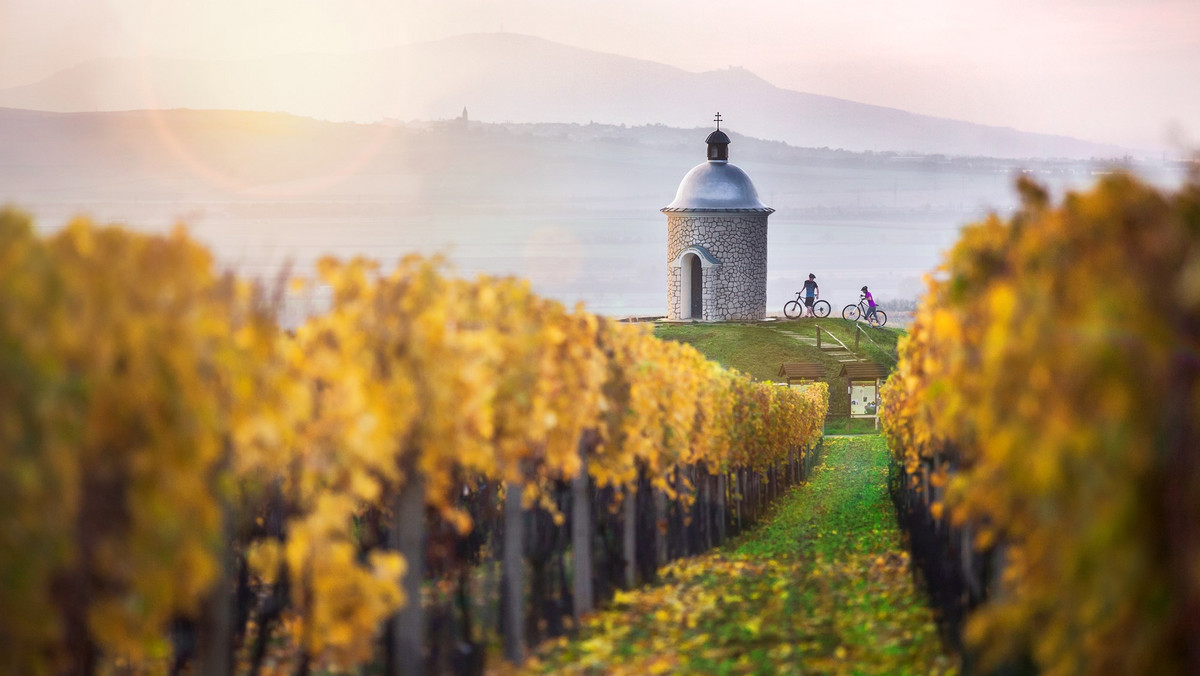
{"x":759,"y":349}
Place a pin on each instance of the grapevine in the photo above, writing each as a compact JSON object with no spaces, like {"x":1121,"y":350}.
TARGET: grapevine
{"x":165,"y":446}
{"x":1049,"y":386}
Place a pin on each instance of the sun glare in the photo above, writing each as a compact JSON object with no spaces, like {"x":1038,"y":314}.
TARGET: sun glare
{"x":264,"y":30}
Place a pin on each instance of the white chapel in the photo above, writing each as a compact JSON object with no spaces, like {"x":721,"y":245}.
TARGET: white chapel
{"x":716,"y":242}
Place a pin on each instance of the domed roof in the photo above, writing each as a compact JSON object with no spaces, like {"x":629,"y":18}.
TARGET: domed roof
{"x":717,"y":185}
{"x":717,"y":136}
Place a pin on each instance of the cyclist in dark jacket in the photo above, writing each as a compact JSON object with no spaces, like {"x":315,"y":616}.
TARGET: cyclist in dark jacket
{"x":811,"y":293}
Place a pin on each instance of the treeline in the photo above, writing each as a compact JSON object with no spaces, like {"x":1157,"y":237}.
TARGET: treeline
{"x":1045,"y":420}
{"x":186,"y":487}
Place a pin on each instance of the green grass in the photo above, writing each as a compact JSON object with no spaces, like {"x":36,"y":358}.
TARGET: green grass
{"x":850,"y":426}
{"x":823,"y":586}
{"x":760,"y":348}
{"x":878,"y":345}
{"x":757,"y":349}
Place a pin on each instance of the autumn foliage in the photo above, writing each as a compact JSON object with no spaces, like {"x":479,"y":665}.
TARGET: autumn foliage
{"x":1051,"y":382}
{"x":157,"y":426}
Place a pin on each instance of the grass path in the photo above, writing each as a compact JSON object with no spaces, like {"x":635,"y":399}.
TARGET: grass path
{"x":823,"y":586}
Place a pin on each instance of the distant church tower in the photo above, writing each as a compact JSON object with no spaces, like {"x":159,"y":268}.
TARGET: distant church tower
{"x":717,"y":242}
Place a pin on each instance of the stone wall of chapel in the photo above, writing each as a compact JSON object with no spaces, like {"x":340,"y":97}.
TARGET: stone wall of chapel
{"x":737,"y":288}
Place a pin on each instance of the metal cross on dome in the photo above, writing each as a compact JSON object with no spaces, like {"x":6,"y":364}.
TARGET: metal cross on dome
{"x":718,"y":119}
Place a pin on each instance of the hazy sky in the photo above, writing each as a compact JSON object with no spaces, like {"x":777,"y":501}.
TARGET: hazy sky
{"x":1124,"y":71}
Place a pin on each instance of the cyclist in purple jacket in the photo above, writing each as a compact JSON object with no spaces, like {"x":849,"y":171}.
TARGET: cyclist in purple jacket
{"x":870,"y":304}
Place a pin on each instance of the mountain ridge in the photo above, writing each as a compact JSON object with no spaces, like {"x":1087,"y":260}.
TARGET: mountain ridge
{"x":506,"y":77}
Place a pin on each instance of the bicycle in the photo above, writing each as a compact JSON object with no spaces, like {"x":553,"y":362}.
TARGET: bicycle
{"x":795,"y":308}
{"x":856,"y":312}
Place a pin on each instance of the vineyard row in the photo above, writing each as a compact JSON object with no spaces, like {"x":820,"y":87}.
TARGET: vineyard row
{"x":184,"y":485}
{"x":1045,"y":422}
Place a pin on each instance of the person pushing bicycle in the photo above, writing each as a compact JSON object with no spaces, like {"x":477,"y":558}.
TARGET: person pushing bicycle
{"x":807,"y":302}
{"x":870,"y":316}
{"x":811,"y":293}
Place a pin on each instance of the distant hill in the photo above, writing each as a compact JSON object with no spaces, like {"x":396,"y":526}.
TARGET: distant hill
{"x":514,"y":78}
{"x":245,"y":155}
{"x":573,"y":207}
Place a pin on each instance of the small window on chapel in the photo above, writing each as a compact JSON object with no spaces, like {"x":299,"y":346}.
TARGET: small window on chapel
{"x":718,"y":151}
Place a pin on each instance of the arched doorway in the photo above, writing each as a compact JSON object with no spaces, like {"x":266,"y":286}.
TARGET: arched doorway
{"x":696,"y":270}
{"x":692,"y":286}
{"x":697,"y":288}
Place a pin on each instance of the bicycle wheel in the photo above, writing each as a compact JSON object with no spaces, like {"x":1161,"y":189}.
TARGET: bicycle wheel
{"x":821,"y":308}
{"x":851,"y":312}
{"x":792,"y":309}
{"x":880,"y":318}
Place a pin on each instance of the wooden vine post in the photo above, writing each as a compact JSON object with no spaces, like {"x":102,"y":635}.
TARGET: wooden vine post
{"x":581,"y":529}
{"x":513,"y":583}
{"x":661,"y":519}
{"x":216,"y":636}
{"x":629,"y":536}
{"x":720,"y":509}
{"x":407,"y":536}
